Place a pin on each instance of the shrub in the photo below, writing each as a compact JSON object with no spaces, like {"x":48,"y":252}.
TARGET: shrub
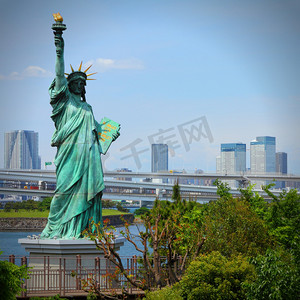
{"x":167,"y":293}
{"x":141,"y":211}
{"x":277,"y":277}
{"x":216,"y":277}
{"x":11,"y":279}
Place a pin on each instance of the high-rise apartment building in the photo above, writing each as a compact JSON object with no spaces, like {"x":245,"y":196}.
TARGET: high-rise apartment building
{"x":21,"y":150}
{"x":159,"y":157}
{"x":263,"y":157}
{"x":232,"y":160}
{"x":281,"y":167}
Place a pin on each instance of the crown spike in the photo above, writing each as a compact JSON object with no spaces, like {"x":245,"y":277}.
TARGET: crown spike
{"x":87,"y":69}
{"x":90,"y":79}
{"x":91,"y":74}
{"x":67,"y":74}
{"x":80,"y":66}
{"x":71,"y":68}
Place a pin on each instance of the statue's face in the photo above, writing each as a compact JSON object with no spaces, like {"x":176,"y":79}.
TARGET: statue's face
{"x":77,"y":86}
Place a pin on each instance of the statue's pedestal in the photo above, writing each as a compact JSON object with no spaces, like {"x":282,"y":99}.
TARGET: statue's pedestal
{"x":59,"y":266}
{"x":55,"y":252}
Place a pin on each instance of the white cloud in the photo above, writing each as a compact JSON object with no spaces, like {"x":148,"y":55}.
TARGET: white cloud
{"x":30,"y":71}
{"x":36,"y":71}
{"x":106,"y":64}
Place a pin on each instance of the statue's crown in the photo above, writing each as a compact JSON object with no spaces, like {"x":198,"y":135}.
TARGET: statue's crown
{"x":79,"y":74}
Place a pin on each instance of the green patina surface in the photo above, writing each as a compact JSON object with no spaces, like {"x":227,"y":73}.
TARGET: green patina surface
{"x":80,"y":140}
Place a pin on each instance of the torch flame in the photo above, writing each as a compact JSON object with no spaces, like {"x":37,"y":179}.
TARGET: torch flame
{"x":58,"y":17}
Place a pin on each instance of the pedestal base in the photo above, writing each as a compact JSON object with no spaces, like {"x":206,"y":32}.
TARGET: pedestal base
{"x":61,"y":266}
{"x":53,"y":251}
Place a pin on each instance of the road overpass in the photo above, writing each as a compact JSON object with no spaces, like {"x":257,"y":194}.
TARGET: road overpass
{"x":47,"y":175}
{"x":132,"y":186}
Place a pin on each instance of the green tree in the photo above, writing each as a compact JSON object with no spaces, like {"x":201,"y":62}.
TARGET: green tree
{"x":8,"y":206}
{"x":11,"y":279}
{"x":257,"y":203}
{"x":45,"y":204}
{"x":31,"y":204}
{"x":107,"y":203}
{"x":161,"y":237}
{"x":120,"y":207}
{"x":166,"y":293}
{"x":231,"y":227}
{"x":176,"y":192}
{"x":214,"y":277}
{"x":283,"y":219}
{"x":277,"y":277}
{"x":141,"y":211}
{"x":223,"y":189}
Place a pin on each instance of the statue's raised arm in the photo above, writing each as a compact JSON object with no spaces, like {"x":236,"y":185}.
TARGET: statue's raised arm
{"x":58,"y":29}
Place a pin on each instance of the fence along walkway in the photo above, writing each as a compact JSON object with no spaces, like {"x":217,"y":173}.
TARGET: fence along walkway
{"x":66,"y":276}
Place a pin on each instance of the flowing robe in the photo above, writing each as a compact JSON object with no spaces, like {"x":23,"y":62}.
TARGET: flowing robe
{"x":79,"y":175}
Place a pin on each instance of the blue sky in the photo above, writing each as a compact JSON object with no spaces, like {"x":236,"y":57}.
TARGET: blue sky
{"x":233,"y":65}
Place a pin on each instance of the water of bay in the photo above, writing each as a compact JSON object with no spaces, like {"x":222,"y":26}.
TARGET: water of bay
{"x":9,"y":242}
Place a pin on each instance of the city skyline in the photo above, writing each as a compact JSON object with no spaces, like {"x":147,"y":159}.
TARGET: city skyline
{"x":197,"y":73}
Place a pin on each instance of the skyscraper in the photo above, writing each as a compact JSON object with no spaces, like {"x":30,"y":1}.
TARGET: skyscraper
{"x":281,"y":162}
{"x":281,"y":167}
{"x":159,"y":157}
{"x":232,"y":160}
{"x":21,"y":150}
{"x":263,"y":157}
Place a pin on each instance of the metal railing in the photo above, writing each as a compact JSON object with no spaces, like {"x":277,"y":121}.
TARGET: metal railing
{"x":52,"y":275}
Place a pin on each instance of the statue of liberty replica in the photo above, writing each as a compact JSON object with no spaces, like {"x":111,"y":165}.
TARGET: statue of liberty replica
{"x":80,"y":141}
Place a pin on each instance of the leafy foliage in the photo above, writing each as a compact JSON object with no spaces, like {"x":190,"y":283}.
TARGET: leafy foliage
{"x":166,"y":293}
{"x":141,"y":211}
{"x":223,"y":189}
{"x":257,"y":203}
{"x":45,"y":204}
{"x":107,"y":203}
{"x":283,"y":219}
{"x":121,"y":208}
{"x":216,"y":277}
{"x":165,"y":234}
{"x":11,"y":279}
{"x":277,"y":277}
{"x":228,"y":231}
{"x":231,"y":227}
{"x":29,"y":205}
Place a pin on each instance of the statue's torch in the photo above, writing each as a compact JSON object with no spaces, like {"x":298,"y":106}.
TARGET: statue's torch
{"x":58,"y":27}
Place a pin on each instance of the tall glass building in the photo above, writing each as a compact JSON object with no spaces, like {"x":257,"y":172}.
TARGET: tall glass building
{"x":281,"y":162}
{"x":21,"y":150}
{"x":263,"y":157}
{"x":281,"y":167}
{"x":232,"y":160}
{"x":159,"y":157}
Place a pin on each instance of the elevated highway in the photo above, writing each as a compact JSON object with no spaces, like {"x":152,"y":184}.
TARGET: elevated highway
{"x":49,"y":175}
{"x":128,"y":185}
